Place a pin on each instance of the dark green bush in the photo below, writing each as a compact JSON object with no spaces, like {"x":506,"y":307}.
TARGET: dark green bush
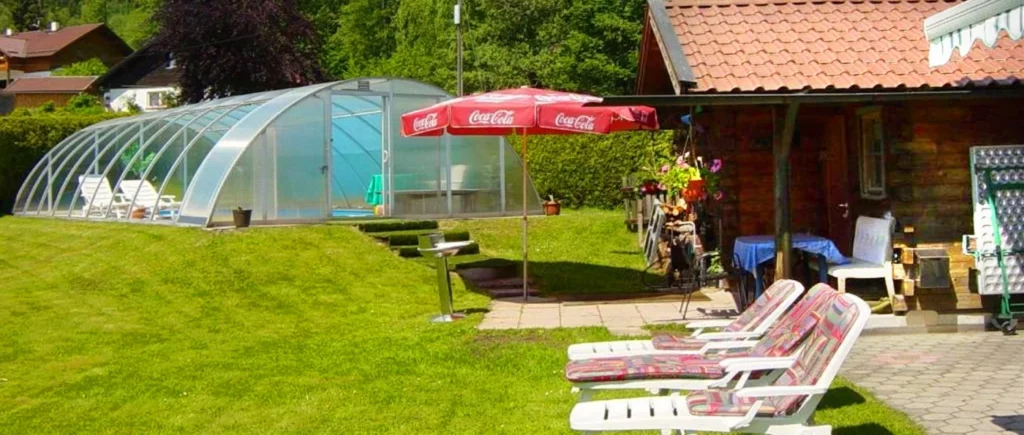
{"x":587,"y":170}
{"x":379,"y":227}
{"x":26,"y":139}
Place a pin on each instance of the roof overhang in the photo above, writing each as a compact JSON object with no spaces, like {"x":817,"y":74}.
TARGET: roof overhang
{"x":671,"y":49}
{"x":958,"y":27}
{"x":763,"y":99}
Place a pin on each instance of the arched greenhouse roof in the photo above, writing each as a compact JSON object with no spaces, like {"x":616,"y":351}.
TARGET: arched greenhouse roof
{"x":294,"y":155}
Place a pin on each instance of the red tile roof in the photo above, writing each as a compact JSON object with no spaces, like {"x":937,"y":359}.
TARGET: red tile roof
{"x":40,"y":43}
{"x":768,"y":45}
{"x":56,"y":85}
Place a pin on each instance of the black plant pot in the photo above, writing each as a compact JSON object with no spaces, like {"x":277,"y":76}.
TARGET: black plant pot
{"x":242,"y":217}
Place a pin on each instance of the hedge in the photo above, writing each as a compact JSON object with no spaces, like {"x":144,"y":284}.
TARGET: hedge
{"x":587,"y":170}
{"x":26,"y":139}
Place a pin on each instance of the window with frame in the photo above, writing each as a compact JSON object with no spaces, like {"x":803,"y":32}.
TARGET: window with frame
{"x":157,"y":99}
{"x":872,"y":154}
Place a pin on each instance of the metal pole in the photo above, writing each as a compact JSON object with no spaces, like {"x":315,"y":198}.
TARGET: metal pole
{"x":526,"y":282}
{"x":458,"y":45}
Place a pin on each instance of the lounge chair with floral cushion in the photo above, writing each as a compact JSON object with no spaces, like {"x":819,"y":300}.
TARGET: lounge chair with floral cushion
{"x":750,"y":325}
{"x":665,"y":373}
{"x":784,"y":407}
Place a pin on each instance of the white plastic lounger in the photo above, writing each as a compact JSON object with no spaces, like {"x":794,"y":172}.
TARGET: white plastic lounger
{"x":750,"y":325}
{"x":785,"y":407}
{"x":146,"y":196}
{"x":97,"y":195}
{"x":716,"y":369}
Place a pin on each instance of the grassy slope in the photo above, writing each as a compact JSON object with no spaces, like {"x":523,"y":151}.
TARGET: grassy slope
{"x":124,"y":329}
{"x":584,"y":251}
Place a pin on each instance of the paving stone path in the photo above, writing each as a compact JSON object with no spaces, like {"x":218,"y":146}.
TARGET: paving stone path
{"x":961,"y":383}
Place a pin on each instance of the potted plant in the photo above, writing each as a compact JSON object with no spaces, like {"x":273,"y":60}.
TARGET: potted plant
{"x":676,"y":178}
{"x":242,"y":217}
{"x":552,"y":207}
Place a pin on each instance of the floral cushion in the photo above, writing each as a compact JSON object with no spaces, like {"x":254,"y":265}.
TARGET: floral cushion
{"x":647,"y":367}
{"x":763,"y":306}
{"x":797,"y":324}
{"x":664,"y":341}
{"x":715,"y":402}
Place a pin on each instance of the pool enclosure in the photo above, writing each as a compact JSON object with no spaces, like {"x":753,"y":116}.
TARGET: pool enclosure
{"x":296,"y":155}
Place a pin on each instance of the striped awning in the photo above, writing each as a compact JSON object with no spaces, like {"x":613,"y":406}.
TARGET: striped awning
{"x":958,"y":27}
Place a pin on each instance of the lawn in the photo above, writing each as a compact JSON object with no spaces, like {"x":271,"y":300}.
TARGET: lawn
{"x":113,"y":328}
{"x":581,"y":251}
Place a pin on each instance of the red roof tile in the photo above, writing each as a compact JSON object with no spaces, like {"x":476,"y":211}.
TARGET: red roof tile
{"x":748,"y":45}
{"x":43,"y":43}
{"x":50,"y":85}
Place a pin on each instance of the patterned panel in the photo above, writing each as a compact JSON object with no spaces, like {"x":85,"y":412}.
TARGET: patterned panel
{"x":763,"y":306}
{"x":797,"y":324}
{"x":1005,"y":166}
{"x":646,"y":367}
{"x":664,"y":341}
{"x":763,"y":45}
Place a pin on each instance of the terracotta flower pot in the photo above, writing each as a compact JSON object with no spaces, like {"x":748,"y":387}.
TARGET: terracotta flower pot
{"x":552,"y":208}
{"x":139,"y":213}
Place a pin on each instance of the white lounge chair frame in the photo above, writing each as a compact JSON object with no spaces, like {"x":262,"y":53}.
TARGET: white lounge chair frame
{"x":611,"y":349}
{"x":672,"y":414}
{"x":96,"y":191}
{"x":140,"y":193}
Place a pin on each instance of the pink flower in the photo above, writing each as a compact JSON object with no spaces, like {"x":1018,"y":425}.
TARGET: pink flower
{"x":718,"y":196}
{"x":680,"y":161}
{"x":716,"y":165}
{"x":661,"y":186}
{"x":664,"y":169}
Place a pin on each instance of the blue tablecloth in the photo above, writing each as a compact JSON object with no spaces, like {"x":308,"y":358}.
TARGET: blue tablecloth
{"x":752,"y":251}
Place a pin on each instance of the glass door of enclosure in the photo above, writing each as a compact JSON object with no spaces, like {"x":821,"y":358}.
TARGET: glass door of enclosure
{"x":357,"y":153}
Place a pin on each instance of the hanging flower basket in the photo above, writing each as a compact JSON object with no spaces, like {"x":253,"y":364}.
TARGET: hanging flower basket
{"x":694,"y":191}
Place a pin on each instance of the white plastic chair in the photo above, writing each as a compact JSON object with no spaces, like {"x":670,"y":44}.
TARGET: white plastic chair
{"x":146,"y":196}
{"x":785,"y":407}
{"x":872,"y":255}
{"x":97,"y":195}
{"x":750,"y":325}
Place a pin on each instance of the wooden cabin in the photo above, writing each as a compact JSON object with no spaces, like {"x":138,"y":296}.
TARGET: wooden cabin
{"x":46,"y":50}
{"x":844,"y":88}
{"x":29,"y":92}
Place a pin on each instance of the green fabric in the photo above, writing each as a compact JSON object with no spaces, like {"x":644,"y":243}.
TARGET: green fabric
{"x":374,"y":192}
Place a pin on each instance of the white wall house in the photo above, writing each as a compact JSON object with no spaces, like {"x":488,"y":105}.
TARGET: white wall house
{"x":148,"y":99}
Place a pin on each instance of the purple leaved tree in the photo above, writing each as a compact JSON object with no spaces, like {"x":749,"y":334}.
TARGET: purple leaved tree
{"x":233,"y":47}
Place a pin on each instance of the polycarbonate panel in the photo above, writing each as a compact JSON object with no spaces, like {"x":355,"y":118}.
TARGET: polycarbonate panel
{"x":416,"y":165}
{"x":88,"y":163}
{"x":114,"y":161}
{"x":197,"y":207}
{"x":356,"y":142}
{"x":998,"y":193}
{"x":298,"y":142}
{"x":142,"y":193}
{"x":476,"y":174}
{"x":41,"y":172}
{"x":514,"y":186}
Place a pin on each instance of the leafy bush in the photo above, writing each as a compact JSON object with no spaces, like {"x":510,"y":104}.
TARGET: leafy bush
{"x":26,"y":139}
{"x":91,"y":67}
{"x":587,"y":170}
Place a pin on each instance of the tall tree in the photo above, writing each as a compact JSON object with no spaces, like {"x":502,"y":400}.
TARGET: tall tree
{"x":27,"y":14}
{"x":231,"y":47}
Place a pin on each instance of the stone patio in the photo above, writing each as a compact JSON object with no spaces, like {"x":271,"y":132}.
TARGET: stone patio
{"x":962,"y":383}
{"x":621,"y":318}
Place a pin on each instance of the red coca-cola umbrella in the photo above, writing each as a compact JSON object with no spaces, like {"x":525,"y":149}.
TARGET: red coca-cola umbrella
{"x":525,"y":111}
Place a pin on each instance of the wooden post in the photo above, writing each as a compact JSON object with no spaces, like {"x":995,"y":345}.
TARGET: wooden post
{"x":783,"y":126}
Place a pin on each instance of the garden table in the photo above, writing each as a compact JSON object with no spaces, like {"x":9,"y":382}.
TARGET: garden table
{"x":751,"y":252}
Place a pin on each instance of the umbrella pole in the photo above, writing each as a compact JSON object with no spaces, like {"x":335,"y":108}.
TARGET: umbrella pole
{"x":526,"y":282}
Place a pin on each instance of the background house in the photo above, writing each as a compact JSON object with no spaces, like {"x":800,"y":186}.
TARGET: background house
{"x":41,"y":51}
{"x":876,"y":129}
{"x":146,"y":78}
{"x":29,"y":92}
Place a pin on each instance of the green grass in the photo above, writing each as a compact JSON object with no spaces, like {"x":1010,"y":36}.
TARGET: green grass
{"x":113,"y":328}
{"x":581,"y":251}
